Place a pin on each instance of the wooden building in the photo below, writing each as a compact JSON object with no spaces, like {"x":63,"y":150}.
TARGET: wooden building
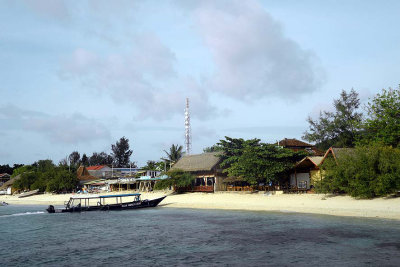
{"x":297,"y":145}
{"x":206,"y":168}
{"x":306,"y":172}
{"x":8,"y":186}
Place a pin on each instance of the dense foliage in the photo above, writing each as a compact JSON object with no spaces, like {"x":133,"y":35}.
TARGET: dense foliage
{"x":173,"y":155}
{"x":213,"y":148}
{"x":257,"y":162}
{"x":338,"y":128}
{"x":101,"y":158}
{"x":152,"y":165}
{"x":178,"y":178}
{"x":365,"y":172}
{"x":45,"y":176}
{"x":8,"y":169}
{"x":383,"y":122}
{"x":121,"y":152}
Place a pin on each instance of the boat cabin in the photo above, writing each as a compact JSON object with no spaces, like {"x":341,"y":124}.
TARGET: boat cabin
{"x":90,"y":201}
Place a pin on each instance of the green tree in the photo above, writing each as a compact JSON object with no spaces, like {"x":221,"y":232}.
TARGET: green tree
{"x":365,"y":172}
{"x":22,"y":169}
{"x":43,"y":165}
{"x":213,"y":148}
{"x":47,"y":177}
{"x":154,"y":165}
{"x":173,"y":155}
{"x":383,"y":122}
{"x":178,"y":179}
{"x":74,"y":158}
{"x":25,"y":181}
{"x":101,"y":158}
{"x":85,"y":160}
{"x":339,"y":128}
{"x":121,"y":152}
{"x":257,"y":162}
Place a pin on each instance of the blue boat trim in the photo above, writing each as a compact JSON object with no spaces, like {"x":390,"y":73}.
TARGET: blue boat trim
{"x":122,"y":195}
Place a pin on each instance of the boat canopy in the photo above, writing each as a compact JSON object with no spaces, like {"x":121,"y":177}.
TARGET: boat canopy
{"x":107,"y":196}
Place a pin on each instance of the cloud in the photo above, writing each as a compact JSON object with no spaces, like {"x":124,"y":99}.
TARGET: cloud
{"x":56,"y":9}
{"x":253,"y":60}
{"x":70,"y":129}
{"x":253,"y":57}
{"x":144,"y":77}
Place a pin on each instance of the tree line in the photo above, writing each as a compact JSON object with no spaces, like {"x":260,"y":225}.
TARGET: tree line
{"x":119,"y":157}
{"x":372,"y":167}
{"x":46,"y":176}
{"x":348,"y":126}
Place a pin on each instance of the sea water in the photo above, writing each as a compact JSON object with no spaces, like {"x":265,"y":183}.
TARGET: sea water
{"x":187,"y":237}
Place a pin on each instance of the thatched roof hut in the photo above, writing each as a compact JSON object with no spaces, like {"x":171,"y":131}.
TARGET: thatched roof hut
{"x":206,"y":168}
{"x":84,"y":176}
{"x":199,"y":162}
{"x":10,"y":182}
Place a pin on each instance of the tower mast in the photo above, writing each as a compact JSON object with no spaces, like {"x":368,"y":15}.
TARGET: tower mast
{"x":188,"y":131}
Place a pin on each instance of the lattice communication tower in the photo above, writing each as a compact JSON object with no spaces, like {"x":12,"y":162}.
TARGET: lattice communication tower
{"x":188,"y":131}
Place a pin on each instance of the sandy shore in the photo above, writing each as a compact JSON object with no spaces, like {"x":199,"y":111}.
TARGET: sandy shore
{"x":388,"y":208}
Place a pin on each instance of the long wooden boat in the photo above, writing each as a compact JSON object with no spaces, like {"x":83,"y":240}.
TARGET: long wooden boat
{"x":29,"y":193}
{"x":90,"y":203}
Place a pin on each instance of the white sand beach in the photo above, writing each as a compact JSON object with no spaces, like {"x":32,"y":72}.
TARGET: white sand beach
{"x":388,"y":208}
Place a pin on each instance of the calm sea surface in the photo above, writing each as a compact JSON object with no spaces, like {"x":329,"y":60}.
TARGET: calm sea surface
{"x":166,"y":236}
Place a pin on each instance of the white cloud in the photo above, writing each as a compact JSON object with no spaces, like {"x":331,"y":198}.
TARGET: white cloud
{"x":70,"y":129}
{"x":145,"y":78}
{"x":253,"y":57}
{"x":253,"y":60}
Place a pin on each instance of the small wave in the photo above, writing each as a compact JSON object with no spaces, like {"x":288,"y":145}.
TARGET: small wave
{"x":23,"y":213}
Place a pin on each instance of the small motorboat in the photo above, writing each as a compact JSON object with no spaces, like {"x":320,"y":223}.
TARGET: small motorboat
{"x":91,"y":203}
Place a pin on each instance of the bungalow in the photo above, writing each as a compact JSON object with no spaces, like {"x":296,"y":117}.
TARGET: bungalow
{"x":7,"y":186}
{"x":306,"y":172}
{"x":206,"y":168}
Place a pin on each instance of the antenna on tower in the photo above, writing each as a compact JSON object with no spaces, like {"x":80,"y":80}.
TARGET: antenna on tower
{"x":188,"y":131}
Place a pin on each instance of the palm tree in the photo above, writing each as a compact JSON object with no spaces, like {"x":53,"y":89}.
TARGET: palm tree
{"x":174,"y":154}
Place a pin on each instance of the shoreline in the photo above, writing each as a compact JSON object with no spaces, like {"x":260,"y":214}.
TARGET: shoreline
{"x":384,"y":208}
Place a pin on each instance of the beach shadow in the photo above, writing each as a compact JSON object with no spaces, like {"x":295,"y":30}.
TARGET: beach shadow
{"x":395,"y":195}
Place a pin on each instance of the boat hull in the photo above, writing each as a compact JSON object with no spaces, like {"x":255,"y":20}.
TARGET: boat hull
{"x":120,"y":206}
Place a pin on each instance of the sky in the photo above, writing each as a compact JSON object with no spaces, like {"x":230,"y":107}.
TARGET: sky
{"x":79,"y":75}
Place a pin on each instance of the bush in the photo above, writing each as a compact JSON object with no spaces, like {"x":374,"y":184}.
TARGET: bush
{"x":46,"y":177}
{"x":178,"y":178}
{"x":367,"y":172}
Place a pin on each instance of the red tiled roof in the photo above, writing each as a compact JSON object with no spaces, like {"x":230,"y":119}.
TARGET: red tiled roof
{"x":4,"y":175}
{"x":95,"y":168}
